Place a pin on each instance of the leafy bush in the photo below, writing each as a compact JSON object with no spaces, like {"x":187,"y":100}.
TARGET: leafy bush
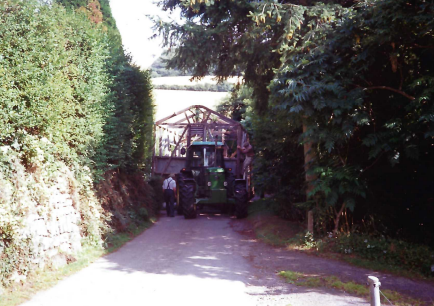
{"x":392,"y":252}
{"x":156,"y":182}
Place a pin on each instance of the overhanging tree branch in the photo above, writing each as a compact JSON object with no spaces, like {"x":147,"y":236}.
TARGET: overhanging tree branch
{"x":391,"y":89}
{"x":424,"y":47}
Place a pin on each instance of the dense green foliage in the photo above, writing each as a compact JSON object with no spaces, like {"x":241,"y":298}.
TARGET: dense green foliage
{"x":68,"y":81}
{"x":356,"y":74}
{"x":53,"y":83}
{"x":72,"y":107}
{"x":235,"y":105}
{"x":368,"y":151}
{"x":390,"y":252}
{"x":128,"y":132}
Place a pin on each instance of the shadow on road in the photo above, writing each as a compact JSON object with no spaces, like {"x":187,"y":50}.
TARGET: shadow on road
{"x":208,"y":248}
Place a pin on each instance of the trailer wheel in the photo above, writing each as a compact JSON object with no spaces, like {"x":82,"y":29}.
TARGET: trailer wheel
{"x":241,"y":202}
{"x":186,"y":196}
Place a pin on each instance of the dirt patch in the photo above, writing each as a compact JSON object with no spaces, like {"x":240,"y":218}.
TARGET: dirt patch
{"x":273,"y":230}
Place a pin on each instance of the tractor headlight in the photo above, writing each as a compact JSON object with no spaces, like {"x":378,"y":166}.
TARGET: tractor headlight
{"x":225,"y":184}
{"x":209,"y":184}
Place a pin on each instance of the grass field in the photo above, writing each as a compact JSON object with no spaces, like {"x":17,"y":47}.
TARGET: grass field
{"x":185,"y":80}
{"x":170,"y":101}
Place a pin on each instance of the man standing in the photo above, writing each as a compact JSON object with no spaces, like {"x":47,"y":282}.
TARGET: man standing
{"x":169,"y":190}
{"x":248,"y":151}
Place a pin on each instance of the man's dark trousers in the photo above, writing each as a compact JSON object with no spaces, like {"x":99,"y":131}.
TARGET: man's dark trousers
{"x":169,"y":198}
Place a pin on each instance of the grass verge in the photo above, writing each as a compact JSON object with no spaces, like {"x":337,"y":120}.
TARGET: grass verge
{"x":333,"y":282}
{"x":276,"y":231}
{"x":44,"y":279}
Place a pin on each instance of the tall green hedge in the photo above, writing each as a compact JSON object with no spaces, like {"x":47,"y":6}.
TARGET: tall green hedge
{"x":69,"y":80}
{"x":71,"y":101}
{"x":53,"y":82}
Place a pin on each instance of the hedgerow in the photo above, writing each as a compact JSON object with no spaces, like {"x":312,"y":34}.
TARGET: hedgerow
{"x":72,"y":107}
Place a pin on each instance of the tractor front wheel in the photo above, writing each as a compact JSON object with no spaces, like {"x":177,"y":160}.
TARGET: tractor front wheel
{"x":186,"y":197}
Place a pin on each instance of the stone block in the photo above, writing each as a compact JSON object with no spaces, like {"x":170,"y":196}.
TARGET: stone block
{"x":39,"y":253}
{"x":36,"y":260}
{"x":52,"y":252}
{"x":17,"y":277}
{"x":60,"y":228}
{"x":64,"y":238}
{"x":56,"y":241}
{"x":73,"y":217}
{"x":61,"y":210}
{"x":76,"y":246}
{"x":68,"y":227}
{"x":46,"y":243}
{"x":32,"y":217}
{"x":72,"y":226}
{"x":35,"y":242}
{"x":58,"y":261}
{"x":52,"y":228}
{"x":68,"y":202}
{"x":65,"y":248}
{"x":75,"y":229}
{"x":39,"y":228}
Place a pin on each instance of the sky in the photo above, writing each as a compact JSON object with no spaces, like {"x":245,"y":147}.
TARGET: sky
{"x":135,"y":28}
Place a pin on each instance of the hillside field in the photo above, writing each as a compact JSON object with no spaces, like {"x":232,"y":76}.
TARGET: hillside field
{"x":185,"y":80}
{"x":170,"y":101}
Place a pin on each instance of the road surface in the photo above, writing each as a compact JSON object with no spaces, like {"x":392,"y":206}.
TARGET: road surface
{"x":186,"y":262}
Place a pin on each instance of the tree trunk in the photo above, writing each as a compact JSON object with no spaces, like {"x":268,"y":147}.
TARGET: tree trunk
{"x":308,"y":157}
{"x":338,"y":217}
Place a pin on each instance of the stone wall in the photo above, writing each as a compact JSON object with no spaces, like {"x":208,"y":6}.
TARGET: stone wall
{"x":53,"y":228}
{"x":57,"y":231}
{"x":46,"y":215}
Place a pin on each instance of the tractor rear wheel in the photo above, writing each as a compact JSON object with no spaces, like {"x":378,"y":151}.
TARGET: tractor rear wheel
{"x":230,"y":184}
{"x":186,"y":197}
{"x":241,"y":200}
{"x":180,"y":181}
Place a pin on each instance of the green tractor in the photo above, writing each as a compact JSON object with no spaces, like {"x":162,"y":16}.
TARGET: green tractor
{"x":205,"y":181}
{"x":200,"y":146}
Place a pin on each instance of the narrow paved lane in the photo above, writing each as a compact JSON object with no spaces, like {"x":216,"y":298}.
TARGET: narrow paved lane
{"x":184,"y":262}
